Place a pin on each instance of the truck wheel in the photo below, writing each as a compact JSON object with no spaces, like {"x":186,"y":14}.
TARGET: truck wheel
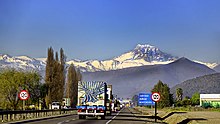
{"x":82,"y":117}
{"x":103,"y":117}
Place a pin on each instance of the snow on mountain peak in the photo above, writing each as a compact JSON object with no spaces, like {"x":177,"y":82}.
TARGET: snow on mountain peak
{"x":144,"y":46}
{"x":151,"y":53}
{"x":25,"y":58}
{"x":4,"y":56}
{"x":142,"y":54}
{"x":210,"y":65}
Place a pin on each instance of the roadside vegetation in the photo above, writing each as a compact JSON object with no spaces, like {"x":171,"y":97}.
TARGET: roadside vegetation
{"x":13,"y":81}
{"x":169,"y":103}
{"x":60,"y":81}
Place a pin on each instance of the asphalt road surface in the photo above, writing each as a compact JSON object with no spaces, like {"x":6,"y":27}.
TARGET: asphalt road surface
{"x":125,"y":116}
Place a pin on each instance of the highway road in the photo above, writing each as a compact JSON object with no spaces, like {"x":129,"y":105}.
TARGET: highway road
{"x":125,"y":116}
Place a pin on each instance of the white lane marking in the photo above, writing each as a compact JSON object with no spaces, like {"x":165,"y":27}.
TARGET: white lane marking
{"x":64,"y":121}
{"x":113,"y":118}
{"x":67,"y":121}
{"x":60,"y":122}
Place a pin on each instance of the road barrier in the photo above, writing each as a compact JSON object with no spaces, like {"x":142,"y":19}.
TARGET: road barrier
{"x":9,"y":116}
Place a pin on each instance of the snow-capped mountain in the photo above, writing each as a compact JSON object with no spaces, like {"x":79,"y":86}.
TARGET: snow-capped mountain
{"x":210,"y":65}
{"x":21,"y":62}
{"x":139,"y":56}
{"x":151,"y":53}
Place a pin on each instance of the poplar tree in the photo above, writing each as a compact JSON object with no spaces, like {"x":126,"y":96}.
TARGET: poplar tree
{"x":55,"y":76}
{"x":72,"y":84}
{"x":49,"y":75}
{"x":62,"y":74}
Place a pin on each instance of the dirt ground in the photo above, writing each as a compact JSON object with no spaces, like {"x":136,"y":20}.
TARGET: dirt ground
{"x":191,"y":117}
{"x":204,"y":117}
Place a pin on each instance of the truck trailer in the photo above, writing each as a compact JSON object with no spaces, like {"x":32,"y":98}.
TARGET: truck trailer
{"x":109,"y":100}
{"x":92,"y":99}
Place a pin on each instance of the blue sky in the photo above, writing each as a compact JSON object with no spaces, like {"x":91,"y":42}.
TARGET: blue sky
{"x":102,"y":29}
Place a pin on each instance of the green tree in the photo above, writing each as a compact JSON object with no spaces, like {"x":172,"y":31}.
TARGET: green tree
{"x":43,"y":94}
{"x":72,"y":85}
{"x":179,"y":94}
{"x":79,"y":75}
{"x":56,"y":87}
{"x":62,"y":73}
{"x":12,"y":82}
{"x":186,"y":101}
{"x":49,"y":75}
{"x":195,"y":98}
{"x":164,"y":91}
{"x":55,"y":76}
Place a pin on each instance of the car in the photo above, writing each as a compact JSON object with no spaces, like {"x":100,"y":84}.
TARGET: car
{"x":117,"y":108}
{"x":55,"y":105}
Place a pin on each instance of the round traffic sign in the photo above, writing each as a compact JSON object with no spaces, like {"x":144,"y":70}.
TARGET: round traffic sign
{"x":23,"y":95}
{"x":155,"y":97}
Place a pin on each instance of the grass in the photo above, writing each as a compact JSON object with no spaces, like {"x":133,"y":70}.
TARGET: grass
{"x":183,"y":109}
{"x":189,"y":109}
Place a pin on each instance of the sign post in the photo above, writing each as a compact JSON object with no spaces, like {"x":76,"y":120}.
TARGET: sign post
{"x":155,"y":97}
{"x":23,"y":95}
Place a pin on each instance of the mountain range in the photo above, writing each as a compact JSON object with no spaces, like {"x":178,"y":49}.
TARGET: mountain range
{"x":130,"y":81}
{"x":139,"y":56}
{"x":130,"y":73}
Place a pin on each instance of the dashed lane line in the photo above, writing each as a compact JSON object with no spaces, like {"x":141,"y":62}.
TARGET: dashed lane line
{"x":60,"y":122}
{"x":113,"y":117}
{"x":67,"y":121}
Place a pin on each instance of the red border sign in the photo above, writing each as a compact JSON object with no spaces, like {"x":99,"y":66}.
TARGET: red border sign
{"x":155,"y":96}
{"x":23,"y":95}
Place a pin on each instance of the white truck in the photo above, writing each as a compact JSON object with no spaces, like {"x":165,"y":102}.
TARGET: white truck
{"x":109,"y":100}
{"x":92,"y":97}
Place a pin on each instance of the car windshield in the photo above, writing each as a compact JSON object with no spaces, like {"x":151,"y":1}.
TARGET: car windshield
{"x":55,"y":103}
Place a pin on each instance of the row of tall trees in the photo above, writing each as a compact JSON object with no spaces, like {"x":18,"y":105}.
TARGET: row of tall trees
{"x":55,"y":78}
{"x":12,"y":82}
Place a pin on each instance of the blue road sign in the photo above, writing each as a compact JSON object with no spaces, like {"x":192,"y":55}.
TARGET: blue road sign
{"x":144,"y":99}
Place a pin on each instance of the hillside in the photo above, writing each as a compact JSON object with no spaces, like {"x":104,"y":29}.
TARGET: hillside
{"x":130,"y":81}
{"x":203,"y":84}
{"x":217,"y":68}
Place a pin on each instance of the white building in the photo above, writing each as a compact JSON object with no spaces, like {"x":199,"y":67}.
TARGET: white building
{"x":212,"y":100}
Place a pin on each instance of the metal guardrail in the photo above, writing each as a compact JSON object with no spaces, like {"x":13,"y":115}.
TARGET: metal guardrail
{"x":17,"y":115}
